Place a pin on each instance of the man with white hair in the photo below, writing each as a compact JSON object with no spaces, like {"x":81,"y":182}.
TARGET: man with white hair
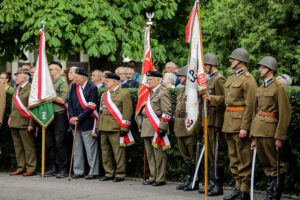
{"x":284,"y":79}
{"x":114,"y":124}
{"x":71,"y":75}
{"x":21,"y":126}
{"x":129,"y":73}
{"x":171,"y":67}
{"x":155,"y":123}
{"x":82,"y":111}
{"x":96,"y":78}
{"x":120,"y":71}
{"x":169,"y":80}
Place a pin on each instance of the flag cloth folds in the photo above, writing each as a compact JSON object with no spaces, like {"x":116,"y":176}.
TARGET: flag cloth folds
{"x":195,"y":75}
{"x":144,"y":88}
{"x":42,"y":92}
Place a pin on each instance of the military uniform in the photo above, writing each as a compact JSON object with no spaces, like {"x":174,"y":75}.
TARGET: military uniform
{"x":239,"y":94}
{"x":23,"y":140}
{"x":272,"y":115}
{"x":186,"y":142}
{"x":55,"y":132}
{"x":160,"y":100}
{"x":110,"y":133}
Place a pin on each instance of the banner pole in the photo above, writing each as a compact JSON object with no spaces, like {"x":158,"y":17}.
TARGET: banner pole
{"x":43,"y":152}
{"x":205,"y":153}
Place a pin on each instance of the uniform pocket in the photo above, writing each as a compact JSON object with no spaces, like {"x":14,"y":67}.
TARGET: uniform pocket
{"x":237,"y":115}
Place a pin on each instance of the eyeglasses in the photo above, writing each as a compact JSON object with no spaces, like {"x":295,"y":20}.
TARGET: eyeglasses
{"x":51,"y":69}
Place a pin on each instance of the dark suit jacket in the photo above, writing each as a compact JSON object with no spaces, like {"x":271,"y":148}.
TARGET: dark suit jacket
{"x":90,"y":92}
{"x":131,"y":84}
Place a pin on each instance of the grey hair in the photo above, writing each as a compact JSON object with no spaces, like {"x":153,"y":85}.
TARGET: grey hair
{"x":73,"y":67}
{"x":172,"y":77}
{"x":173,"y":65}
{"x":119,"y":68}
{"x":99,"y":72}
{"x":128,"y":68}
{"x":26,"y":76}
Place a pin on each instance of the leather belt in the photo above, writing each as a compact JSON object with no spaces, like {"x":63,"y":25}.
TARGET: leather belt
{"x":235,"y":109}
{"x":267,"y":114}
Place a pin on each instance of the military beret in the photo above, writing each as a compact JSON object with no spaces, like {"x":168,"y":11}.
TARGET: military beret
{"x":182,"y":71}
{"x":22,"y":71}
{"x":154,"y":74}
{"x":81,"y":72}
{"x":55,"y":63}
{"x":112,"y":76}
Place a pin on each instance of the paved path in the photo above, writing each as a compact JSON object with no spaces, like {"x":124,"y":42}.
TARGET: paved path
{"x":36,"y":188}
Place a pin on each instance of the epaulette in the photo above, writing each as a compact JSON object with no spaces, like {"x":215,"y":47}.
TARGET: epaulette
{"x":247,"y":74}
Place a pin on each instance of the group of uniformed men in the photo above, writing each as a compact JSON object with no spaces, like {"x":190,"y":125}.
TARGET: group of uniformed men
{"x":239,"y":113}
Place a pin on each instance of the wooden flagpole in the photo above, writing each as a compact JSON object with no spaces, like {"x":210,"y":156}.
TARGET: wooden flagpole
{"x":43,"y":151}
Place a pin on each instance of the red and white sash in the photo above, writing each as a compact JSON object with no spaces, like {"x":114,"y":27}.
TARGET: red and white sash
{"x":115,"y":112}
{"x":20,"y":105}
{"x":155,"y":121}
{"x":84,"y":104}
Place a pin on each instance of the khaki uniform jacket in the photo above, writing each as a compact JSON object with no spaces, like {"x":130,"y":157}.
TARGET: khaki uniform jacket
{"x":215,"y":115}
{"x":273,"y":99}
{"x":17,"y":119}
{"x":239,"y":90}
{"x":62,"y":90}
{"x":121,"y":98}
{"x":161,"y":103}
{"x":2,"y":101}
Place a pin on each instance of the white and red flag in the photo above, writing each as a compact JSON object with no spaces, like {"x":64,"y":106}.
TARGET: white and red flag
{"x":195,"y":75}
{"x":144,"y":88}
{"x":42,"y":92}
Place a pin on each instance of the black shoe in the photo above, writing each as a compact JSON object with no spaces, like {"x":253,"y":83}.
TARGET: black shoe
{"x":148,"y":182}
{"x":52,"y":171}
{"x":211,"y":180}
{"x":118,"y":179}
{"x":76,"y":176}
{"x":105,"y":178}
{"x":89,"y":177}
{"x":62,"y":173}
{"x":233,"y":195}
{"x":159,"y":183}
{"x":243,"y":196}
{"x":217,"y":191}
{"x":190,"y":188}
{"x":188,"y":178}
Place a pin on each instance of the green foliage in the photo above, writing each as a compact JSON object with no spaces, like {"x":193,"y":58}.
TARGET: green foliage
{"x":114,"y":29}
{"x":175,"y":168}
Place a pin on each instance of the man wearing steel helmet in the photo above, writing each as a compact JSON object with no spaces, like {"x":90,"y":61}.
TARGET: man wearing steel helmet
{"x":215,"y":118}
{"x":186,"y":142}
{"x":239,"y":98}
{"x":268,"y":130}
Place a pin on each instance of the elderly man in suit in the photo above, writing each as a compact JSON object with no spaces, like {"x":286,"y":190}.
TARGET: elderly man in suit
{"x":82,"y":111}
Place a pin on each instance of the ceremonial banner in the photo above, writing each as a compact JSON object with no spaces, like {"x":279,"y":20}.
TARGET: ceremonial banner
{"x":42,"y":92}
{"x":144,"y":89}
{"x":195,"y":75}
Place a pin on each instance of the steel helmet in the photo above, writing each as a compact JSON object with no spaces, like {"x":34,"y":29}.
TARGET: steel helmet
{"x":211,"y":59}
{"x":269,"y":62}
{"x":240,"y":54}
